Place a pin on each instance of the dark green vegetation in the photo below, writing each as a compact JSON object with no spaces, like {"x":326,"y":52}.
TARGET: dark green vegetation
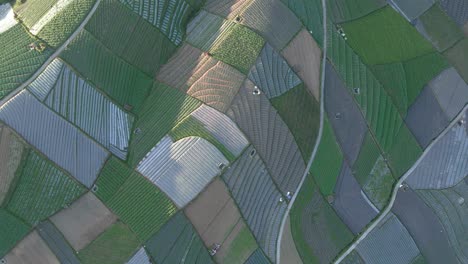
{"x":116,"y":245}
{"x":112,"y":75}
{"x":345,"y":10}
{"x":319,"y":234}
{"x":301,"y":113}
{"x":442,"y":31}
{"x":134,"y":199}
{"x":239,"y":48}
{"x":403,"y":81}
{"x":130,"y":36}
{"x":327,"y":163}
{"x":458,"y":57}
{"x":66,"y":22}
{"x":190,"y":126}
{"x":310,"y":13}
{"x":164,"y":108}
{"x":366,"y":159}
{"x":385,"y":37}
{"x":404,"y":152}
{"x":42,"y":190}
{"x":12,"y":230}
{"x":177,"y":236}
{"x":17,"y":61}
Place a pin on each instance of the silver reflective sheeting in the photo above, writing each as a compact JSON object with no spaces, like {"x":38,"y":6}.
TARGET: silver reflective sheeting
{"x":80,"y":103}
{"x":222,"y":128}
{"x":140,"y":258}
{"x":59,"y":140}
{"x":41,"y":86}
{"x":272,"y":74}
{"x":183,"y":168}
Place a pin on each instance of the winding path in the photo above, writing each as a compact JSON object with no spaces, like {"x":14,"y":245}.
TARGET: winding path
{"x":53,"y":56}
{"x":319,"y":137}
{"x":395,"y":189}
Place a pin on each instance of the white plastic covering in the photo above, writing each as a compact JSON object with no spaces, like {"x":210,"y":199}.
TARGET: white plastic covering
{"x":7,"y":18}
{"x":182,"y":169}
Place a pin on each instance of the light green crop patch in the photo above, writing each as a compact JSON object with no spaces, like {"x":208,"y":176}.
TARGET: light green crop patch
{"x":385,"y":36}
{"x":345,"y":10}
{"x":239,"y":48}
{"x":31,"y":11}
{"x":241,"y":247}
{"x":301,"y":113}
{"x":116,"y":245}
{"x":327,"y":163}
{"x":190,"y":126}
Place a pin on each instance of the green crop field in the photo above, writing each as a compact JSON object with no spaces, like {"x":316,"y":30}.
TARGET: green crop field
{"x":116,"y":245}
{"x":327,"y":163}
{"x":301,"y":113}
{"x":190,"y":126}
{"x":310,"y":13}
{"x":379,"y":184}
{"x":66,"y":22}
{"x":17,"y":61}
{"x":113,"y":175}
{"x":112,"y":75}
{"x":345,"y":10}
{"x":141,"y":205}
{"x":12,"y":230}
{"x":130,"y":36}
{"x":440,"y":28}
{"x":239,"y":48}
{"x":403,"y":81}
{"x":244,"y":242}
{"x":31,"y":11}
{"x":385,"y":37}
{"x":404,"y":152}
{"x":42,"y":190}
{"x":366,"y":159}
{"x":319,"y":235}
{"x":458,"y":57}
{"x":164,"y":108}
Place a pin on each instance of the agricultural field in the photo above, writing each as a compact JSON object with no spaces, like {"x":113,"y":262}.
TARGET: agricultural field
{"x":177,"y":236}
{"x":216,"y":218}
{"x":300,"y":112}
{"x":318,"y":232}
{"x":345,"y":10}
{"x":327,"y":163}
{"x":120,"y":80}
{"x":30,"y":12}
{"x":172,"y":166}
{"x":42,"y":190}
{"x":12,"y":230}
{"x":191,"y":126}
{"x":62,"y":25}
{"x":111,"y":178}
{"x":412,"y":10}
{"x":32,"y":249}
{"x":57,"y":243}
{"x":142,"y":206}
{"x":18,"y":62}
{"x":116,"y":245}
{"x":83,"y":221}
{"x":288,"y":249}
{"x":385,"y":30}
{"x":458,"y":57}
{"x":239,"y":48}
{"x":130,"y":37}
{"x":163,"y":109}
{"x":12,"y":151}
{"x":270,"y":136}
{"x":310,"y":14}
{"x":439,"y":28}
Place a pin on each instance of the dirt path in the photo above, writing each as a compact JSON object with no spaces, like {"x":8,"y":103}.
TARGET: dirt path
{"x":319,"y":137}
{"x":52,"y":57}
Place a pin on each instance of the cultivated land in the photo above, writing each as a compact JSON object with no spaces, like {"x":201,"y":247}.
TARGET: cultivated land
{"x":83,"y":221}
{"x":11,"y":153}
{"x":31,"y":249}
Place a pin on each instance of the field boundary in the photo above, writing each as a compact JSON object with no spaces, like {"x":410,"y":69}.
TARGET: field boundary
{"x":52,"y":57}
{"x":319,"y":136}
{"x":397,"y":186}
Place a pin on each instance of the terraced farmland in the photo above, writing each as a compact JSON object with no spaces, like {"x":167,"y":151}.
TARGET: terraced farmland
{"x":18,"y":61}
{"x":42,"y":190}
